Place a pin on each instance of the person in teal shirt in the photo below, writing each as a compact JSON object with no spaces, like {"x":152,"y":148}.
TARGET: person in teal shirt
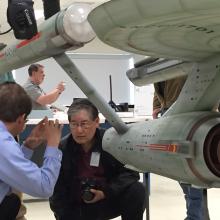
{"x":7,"y":77}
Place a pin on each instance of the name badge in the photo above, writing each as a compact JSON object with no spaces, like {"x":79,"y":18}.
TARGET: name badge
{"x":95,"y":159}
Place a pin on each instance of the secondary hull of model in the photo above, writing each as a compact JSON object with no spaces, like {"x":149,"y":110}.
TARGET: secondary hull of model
{"x":183,"y":147}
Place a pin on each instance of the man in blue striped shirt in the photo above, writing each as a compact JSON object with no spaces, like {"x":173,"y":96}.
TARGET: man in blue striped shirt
{"x":16,"y":170}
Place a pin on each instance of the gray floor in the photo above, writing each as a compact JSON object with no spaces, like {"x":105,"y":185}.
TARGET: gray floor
{"x":166,"y":202}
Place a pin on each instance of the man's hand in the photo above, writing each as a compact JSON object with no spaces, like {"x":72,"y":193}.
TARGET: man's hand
{"x":61,"y":87}
{"x":53,"y":132}
{"x":99,"y":195}
{"x":45,"y":131}
{"x":37,"y":135}
{"x":155,"y":113}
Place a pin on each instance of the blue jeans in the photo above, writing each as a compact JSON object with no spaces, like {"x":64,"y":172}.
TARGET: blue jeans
{"x":195,"y":205}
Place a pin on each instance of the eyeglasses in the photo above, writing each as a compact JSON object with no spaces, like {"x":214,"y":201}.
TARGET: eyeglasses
{"x":83,"y":124}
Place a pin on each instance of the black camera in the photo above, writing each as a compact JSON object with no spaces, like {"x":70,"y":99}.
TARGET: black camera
{"x":86,"y":185}
{"x":20,"y":15}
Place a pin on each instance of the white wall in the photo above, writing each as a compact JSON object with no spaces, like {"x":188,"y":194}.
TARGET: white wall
{"x":143,"y":97}
{"x":96,"y":68}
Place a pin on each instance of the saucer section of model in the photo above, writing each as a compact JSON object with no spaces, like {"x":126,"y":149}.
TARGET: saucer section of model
{"x":185,"y":29}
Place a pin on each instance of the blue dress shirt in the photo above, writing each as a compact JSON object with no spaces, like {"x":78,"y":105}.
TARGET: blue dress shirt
{"x":18,"y":172}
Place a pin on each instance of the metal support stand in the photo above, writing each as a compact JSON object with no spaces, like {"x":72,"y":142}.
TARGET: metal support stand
{"x":146,"y":177}
{"x":205,"y":205}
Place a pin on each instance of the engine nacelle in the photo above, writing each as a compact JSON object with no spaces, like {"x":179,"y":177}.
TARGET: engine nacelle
{"x":183,"y":147}
{"x":68,"y":29}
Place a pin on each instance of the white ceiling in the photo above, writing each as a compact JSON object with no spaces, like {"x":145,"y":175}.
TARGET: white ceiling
{"x":96,"y":46}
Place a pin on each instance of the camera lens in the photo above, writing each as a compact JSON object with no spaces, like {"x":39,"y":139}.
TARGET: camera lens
{"x":87,"y":195}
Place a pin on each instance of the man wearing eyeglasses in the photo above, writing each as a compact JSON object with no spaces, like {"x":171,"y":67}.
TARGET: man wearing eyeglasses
{"x":92,"y":184}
